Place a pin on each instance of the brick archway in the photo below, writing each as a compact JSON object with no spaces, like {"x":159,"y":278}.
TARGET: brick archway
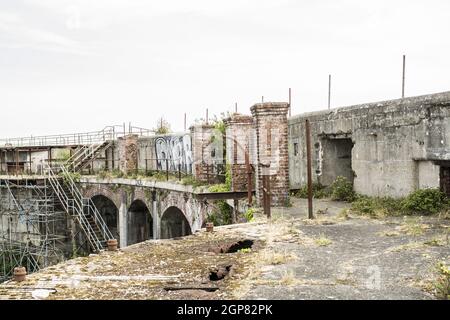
{"x":103,"y":191}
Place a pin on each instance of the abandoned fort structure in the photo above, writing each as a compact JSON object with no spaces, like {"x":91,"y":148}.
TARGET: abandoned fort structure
{"x":67,"y":194}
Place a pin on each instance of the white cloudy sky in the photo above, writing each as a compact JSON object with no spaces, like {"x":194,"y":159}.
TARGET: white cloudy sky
{"x":76,"y":65}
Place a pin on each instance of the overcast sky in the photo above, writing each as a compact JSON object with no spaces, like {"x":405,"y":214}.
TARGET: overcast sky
{"x":71,"y":66}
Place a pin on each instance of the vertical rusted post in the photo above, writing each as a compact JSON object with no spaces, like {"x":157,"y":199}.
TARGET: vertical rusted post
{"x":185,"y":123}
{"x":146,"y":166}
{"x":290,"y":102}
{"x":249,"y":177}
{"x":329,"y":91}
{"x":179,"y":172}
{"x":167,"y":169}
{"x":403,"y":78}
{"x":29,"y":167}
{"x":269,"y":196}
{"x":235,"y":107}
{"x":17,"y":162}
{"x":235,"y":211}
{"x":207,"y":120}
{"x":309,"y":169}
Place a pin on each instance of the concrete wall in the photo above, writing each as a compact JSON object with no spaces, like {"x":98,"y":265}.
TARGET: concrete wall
{"x":397,"y":144}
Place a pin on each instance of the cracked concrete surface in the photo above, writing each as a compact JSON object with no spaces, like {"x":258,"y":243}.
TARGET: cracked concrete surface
{"x":332,"y":257}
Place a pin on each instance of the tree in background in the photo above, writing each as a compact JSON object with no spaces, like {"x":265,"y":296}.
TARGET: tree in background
{"x":162,"y":126}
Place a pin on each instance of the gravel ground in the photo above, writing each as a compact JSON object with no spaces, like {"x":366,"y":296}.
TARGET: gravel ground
{"x":335,"y":256}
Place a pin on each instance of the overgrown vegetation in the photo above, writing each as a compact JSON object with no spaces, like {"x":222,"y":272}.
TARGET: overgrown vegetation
{"x":342,"y":190}
{"x":442,"y":285}
{"x":223,"y":211}
{"x":319,"y":191}
{"x":423,"y":202}
{"x":249,"y":215}
{"x":68,"y":176}
{"x":162,"y":126}
{"x":419,"y":202}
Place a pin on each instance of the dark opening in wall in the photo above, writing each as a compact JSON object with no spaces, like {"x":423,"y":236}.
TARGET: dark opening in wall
{"x":109,"y":213}
{"x":444,"y":179}
{"x":295,"y":148}
{"x":140,"y":223}
{"x":174,"y":224}
{"x":337,"y":159}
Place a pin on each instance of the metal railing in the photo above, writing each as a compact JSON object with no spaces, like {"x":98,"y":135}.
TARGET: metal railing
{"x":77,"y":206}
{"x":74,"y":139}
{"x":86,"y":154}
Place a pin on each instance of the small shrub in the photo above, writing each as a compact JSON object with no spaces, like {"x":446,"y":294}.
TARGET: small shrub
{"x":219,"y":188}
{"x":442,"y":285}
{"x":425,"y":201}
{"x":319,"y":191}
{"x":322,"y":241}
{"x":364,"y":205}
{"x":342,"y":190}
{"x":249,"y":214}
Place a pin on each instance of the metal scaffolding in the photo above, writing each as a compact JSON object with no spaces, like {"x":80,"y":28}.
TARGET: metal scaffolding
{"x":31,"y":226}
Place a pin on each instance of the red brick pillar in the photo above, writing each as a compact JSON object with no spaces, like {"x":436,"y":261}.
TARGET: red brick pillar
{"x":271,"y":148}
{"x":238,"y":134}
{"x":128,"y":153}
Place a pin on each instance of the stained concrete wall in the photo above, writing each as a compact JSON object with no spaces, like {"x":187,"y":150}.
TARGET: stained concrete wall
{"x":389,"y":138}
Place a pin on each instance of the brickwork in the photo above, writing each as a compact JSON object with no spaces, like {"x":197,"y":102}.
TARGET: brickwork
{"x":271,"y":150}
{"x":239,"y":130}
{"x":128,"y":153}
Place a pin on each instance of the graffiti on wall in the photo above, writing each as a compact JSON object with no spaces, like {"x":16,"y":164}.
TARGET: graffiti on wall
{"x":177,"y":150}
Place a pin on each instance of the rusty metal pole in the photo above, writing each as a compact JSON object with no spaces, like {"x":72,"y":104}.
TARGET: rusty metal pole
{"x":403,"y":79}
{"x":235,"y":107}
{"x":269,"y":213}
{"x":235,"y":210}
{"x":249,"y":177}
{"x":207,"y":120}
{"x":308,"y":165}
{"x":179,"y":172}
{"x":329,"y":91}
{"x":167,"y":169}
{"x":185,"y":123}
{"x":290,"y":102}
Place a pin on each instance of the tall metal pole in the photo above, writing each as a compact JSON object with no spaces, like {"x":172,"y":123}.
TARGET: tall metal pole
{"x":262,"y":99}
{"x":308,"y":165}
{"x":329,"y":91}
{"x":185,"y":121}
{"x":235,"y":107}
{"x":290,"y":102}
{"x":403,"y":81}
{"x":206,"y":115}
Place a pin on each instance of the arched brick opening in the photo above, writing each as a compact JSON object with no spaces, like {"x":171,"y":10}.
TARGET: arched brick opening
{"x":174,"y":224}
{"x":140,"y":223}
{"x":109,"y":213}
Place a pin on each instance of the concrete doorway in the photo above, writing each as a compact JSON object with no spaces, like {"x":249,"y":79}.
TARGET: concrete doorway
{"x":109,"y":213}
{"x":174,"y":224}
{"x":140,"y":223}
{"x":337,"y":160}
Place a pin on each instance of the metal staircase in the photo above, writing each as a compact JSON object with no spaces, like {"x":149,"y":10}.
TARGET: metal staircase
{"x":86,"y":154}
{"x":81,"y":209}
